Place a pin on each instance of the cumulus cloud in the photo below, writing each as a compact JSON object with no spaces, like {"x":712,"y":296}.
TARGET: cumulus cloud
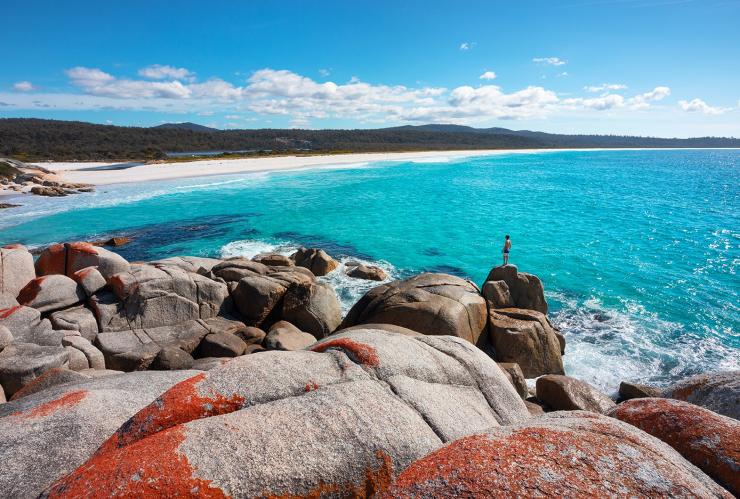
{"x":23,"y":86}
{"x":549,"y":61}
{"x":604,"y":87}
{"x":162,"y":72}
{"x":699,"y":106}
{"x":467,"y":45}
{"x":488,"y":75}
{"x":642,"y":101}
{"x":602,"y":103}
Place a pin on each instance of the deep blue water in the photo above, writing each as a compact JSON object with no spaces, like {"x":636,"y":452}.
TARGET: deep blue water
{"x":638,"y":250}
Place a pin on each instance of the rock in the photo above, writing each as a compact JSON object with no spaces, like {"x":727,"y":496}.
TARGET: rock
{"x":235,"y":269}
{"x":95,"y":358}
{"x":165,"y":295}
{"x":90,"y":280}
{"x":516,"y":377}
{"x":315,"y":260}
{"x":432,"y":304}
{"x":221,"y":345}
{"x":172,"y":358}
{"x":254,"y":348}
{"x":368,"y":272}
{"x":51,"y":292}
{"x":21,"y":363}
{"x":27,"y":326}
{"x":52,"y":377}
{"x":628,"y":391}
{"x":208,"y":363}
{"x":195,"y":264}
{"x":708,"y":440}
{"x":50,"y":433}
{"x":526,"y":338}
{"x":257,"y":297}
{"x":115,"y":241}
{"x":285,"y":336}
{"x":77,"y":360}
{"x":718,"y":392}
{"x":50,"y":191}
{"x":534,"y":408}
{"x":6,"y":337}
{"x":273,"y":259}
{"x":68,"y":258}
{"x":127,"y":350}
{"x":556,"y":455}
{"x":526,"y":289}
{"x":304,"y":423}
{"x":4,"y":206}
{"x":563,"y":393}
{"x":251,"y":335}
{"x":16,"y":269}
{"x":79,"y":319}
{"x":312,"y":307}
{"x":497,"y":294}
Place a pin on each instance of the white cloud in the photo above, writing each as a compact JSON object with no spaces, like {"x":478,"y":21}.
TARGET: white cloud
{"x":699,"y":106}
{"x":324,"y":72}
{"x":602,"y":103}
{"x":467,"y":45}
{"x":162,"y":72}
{"x":549,"y":61}
{"x":604,"y":87}
{"x":24,"y":86}
{"x":642,"y":101}
{"x":488,"y":75}
{"x":562,"y":75}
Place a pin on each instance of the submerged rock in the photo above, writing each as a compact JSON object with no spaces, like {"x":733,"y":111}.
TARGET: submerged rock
{"x":575,"y":454}
{"x":432,"y":304}
{"x":705,"y":438}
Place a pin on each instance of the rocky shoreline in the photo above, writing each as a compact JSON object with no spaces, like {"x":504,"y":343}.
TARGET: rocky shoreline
{"x":17,"y":176}
{"x":239,"y":377}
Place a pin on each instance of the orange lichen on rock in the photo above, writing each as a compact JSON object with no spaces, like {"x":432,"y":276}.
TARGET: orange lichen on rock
{"x":7,"y":312}
{"x":83,"y":247}
{"x":364,"y":354}
{"x":178,"y":405}
{"x":30,"y":291}
{"x":66,"y":400}
{"x":311,"y":386}
{"x":82,"y":273}
{"x":152,"y":467}
{"x":377,"y":480}
{"x":52,"y":261}
{"x":539,"y":461}
{"x":707,"y":439}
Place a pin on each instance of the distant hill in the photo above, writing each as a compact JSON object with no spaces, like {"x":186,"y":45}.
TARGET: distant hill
{"x":37,"y":139}
{"x":187,"y":126}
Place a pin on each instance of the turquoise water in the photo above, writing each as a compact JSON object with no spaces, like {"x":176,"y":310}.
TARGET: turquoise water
{"x":638,"y":250}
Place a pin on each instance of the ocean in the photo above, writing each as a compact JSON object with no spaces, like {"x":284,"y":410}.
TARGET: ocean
{"x":638,"y":249}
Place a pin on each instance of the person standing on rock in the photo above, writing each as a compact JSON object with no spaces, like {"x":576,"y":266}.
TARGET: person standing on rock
{"x":507,"y":248}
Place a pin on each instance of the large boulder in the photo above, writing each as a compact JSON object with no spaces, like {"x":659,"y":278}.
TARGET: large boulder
{"x":51,"y":377}
{"x":221,"y":345}
{"x":527,"y":338}
{"x":16,"y":269}
{"x":575,"y":454}
{"x":27,"y":326}
{"x":313,"y":307}
{"x":629,"y":391}
{"x":79,"y":319}
{"x":339,"y":420}
{"x":163,"y":295}
{"x":273,"y":259}
{"x":432,"y":304}
{"x":516,"y":377}
{"x":497,"y":294}
{"x":705,"y":438}
{"x":526,"y":290}
{"x":90,"y":280}
{"x":21,"y":363}
{"x":68,"y":258}
{"x":718,"y":392}
{"x":195,"y":264}
{"x":315,"y":260}
{"x":95,"y":358}
{"x":48,"y":434}
{"x":563,"y":393}
{"x":285,"y":336}
{"x":51,"y":292}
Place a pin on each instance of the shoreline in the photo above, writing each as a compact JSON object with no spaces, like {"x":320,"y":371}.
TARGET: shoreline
{"x":73,"y":171}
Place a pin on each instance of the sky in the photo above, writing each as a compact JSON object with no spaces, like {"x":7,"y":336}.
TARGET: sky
{"x":668,"y":68}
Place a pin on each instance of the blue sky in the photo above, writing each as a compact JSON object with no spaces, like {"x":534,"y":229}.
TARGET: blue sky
{"x":648,"y":67}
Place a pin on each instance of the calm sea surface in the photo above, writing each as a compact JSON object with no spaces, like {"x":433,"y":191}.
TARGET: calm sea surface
{"x":638,"y":250}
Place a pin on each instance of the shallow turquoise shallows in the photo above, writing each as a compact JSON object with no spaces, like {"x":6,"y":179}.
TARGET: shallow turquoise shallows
{"x":638,"y":250}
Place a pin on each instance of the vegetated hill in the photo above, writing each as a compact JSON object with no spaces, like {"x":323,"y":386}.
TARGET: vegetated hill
{"x":36,"y":139}
{"x":187,"y":126}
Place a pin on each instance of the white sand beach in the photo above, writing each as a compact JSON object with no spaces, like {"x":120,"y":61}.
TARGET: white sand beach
{"x":99,"y":173}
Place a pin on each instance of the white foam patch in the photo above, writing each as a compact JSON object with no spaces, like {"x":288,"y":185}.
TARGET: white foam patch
{"x":349,"y":289}
{"x":605,"y":346}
